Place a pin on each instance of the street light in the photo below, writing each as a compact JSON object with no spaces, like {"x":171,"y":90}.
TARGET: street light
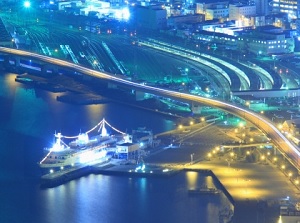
{"x":241,"y":125}
{"x":228,"y":162}
{"x":27,"y":4}
{"x":192,"y":158}
{"x":232,"y":155}
{"x":209,"y":156}
{"x":246,"y":182}
{"x":95,"y":64}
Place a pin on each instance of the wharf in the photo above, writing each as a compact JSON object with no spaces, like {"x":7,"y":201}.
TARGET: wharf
{"x":110,"y":167}
{"x":254,"y":189}
{"x":81,"y":94}
{"x":82,"y":99}
{"x":130,"y":170}
{"x":55,"y":88}
{"x":65,"y":175}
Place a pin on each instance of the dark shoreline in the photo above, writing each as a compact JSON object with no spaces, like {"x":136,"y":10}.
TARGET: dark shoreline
{"x":74,"y":95}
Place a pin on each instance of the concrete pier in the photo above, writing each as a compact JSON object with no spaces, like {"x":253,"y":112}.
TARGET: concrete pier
{"x":255,"y":188}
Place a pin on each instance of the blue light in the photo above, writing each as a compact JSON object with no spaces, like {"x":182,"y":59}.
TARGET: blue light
{"x":122,"y":14}
{"x":140,"y":167}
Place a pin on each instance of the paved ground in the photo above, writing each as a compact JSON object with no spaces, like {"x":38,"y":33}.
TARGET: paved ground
{"x":256,"y":188}
{"x":250,"y":180}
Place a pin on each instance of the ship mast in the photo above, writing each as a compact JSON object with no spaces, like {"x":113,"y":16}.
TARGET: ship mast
{"x":103,"y":130}
{"x":58,"y":143}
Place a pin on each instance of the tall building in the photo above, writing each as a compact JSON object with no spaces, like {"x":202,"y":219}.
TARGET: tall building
{"x":285,"y":6}
{"x":267,"y":40}
{"x":240,"y":11}
{"x":262,"y":7}
{"x":151,"y":17}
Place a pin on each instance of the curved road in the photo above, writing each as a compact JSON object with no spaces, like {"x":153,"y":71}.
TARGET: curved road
{"x":263,"y":124}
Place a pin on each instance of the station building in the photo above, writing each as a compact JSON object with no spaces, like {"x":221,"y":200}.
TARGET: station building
{"x":267,"y":41}
{"x":128,"y":150}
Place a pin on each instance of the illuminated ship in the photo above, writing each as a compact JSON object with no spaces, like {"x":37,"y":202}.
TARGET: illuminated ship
{"x":83,"y":150}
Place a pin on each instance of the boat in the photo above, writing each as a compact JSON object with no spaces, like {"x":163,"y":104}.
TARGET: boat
{"x":82,"y":150}
{"x":226,"y":215}
{"x":204,"y":190}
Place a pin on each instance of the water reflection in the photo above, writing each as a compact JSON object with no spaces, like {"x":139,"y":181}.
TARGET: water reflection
{"x":28,"y":123}
{"x":192,"y":178}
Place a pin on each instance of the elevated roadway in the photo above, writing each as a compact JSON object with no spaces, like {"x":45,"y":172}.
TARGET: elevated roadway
{"x":278,"y":139}
{"x":252,"y":80}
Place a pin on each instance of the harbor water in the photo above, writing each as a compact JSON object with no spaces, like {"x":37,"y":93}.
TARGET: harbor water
{"x":28,"y":120}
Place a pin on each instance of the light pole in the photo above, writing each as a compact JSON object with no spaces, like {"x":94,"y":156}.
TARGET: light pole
{"x":274,"y":65}
{"x":228,"y":162}
{"x":209,"y":156}
{"x":26,"y":5}
{"x":246,"y":182}
{"x":192,"y":158}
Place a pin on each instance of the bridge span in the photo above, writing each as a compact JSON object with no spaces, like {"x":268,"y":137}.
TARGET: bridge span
{"x":278,"y":139}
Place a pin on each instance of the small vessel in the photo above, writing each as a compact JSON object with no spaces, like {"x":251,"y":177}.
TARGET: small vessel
{"x":226,"y":215}
{"x":204,"y":190}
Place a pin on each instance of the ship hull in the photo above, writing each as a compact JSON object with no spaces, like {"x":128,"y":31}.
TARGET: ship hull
{"x":74,"y":157}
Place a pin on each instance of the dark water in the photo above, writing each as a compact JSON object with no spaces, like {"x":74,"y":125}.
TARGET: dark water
{"x":28,"y":120}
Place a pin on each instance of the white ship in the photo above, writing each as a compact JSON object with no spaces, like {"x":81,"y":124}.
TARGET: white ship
{"x":83,"y":150}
